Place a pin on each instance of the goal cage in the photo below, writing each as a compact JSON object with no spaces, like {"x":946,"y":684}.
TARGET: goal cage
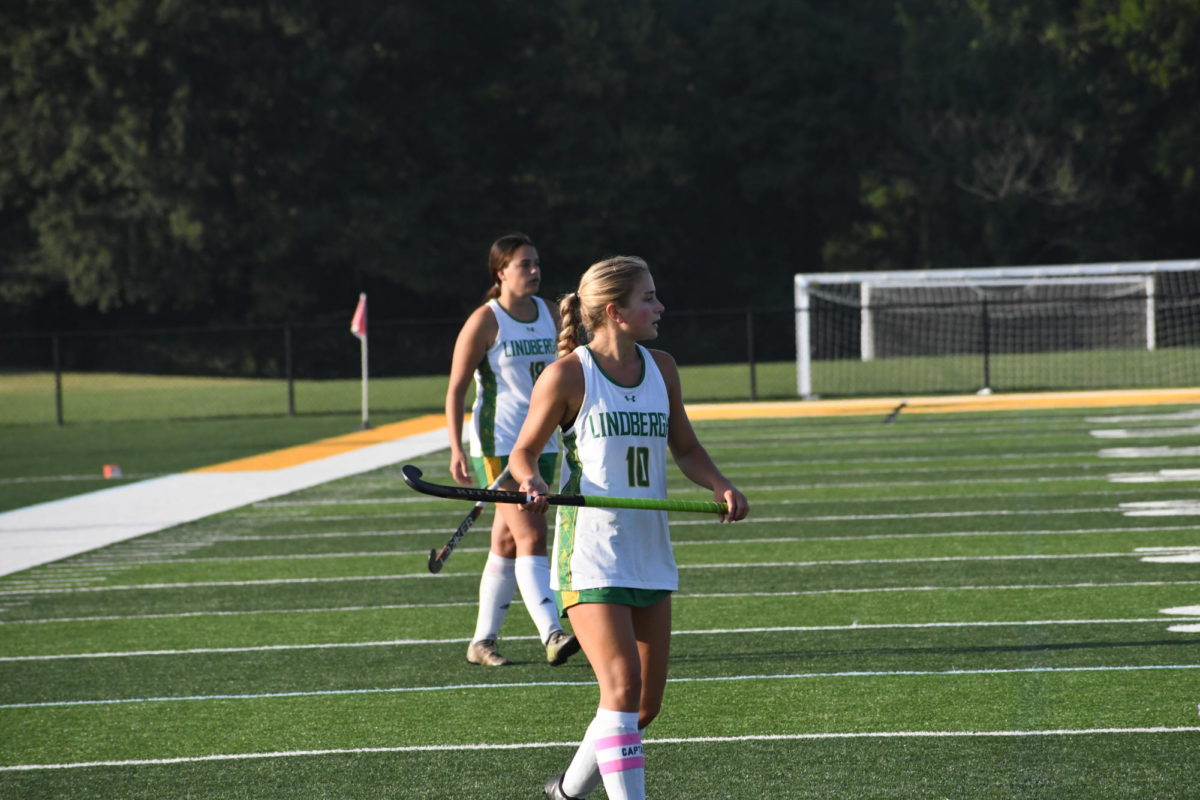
{"x":1036,"y":328}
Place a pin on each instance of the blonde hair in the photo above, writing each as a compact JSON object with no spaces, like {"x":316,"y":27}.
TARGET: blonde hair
{"x":609,"y":281}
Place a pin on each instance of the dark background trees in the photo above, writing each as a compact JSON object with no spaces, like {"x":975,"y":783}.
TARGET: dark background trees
{"x":176,"y":161}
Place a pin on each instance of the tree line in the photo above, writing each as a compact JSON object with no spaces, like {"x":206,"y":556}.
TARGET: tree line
{"x":225,"y":161}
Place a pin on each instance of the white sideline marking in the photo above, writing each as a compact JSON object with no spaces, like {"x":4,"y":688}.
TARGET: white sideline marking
{"x":1177,"y":415}
{"x":50,"y":531}
{"x":1183,"y":611}
{"x":1144,"y":433}
{"x":706,"y":632}
{"x":1161,"y":508}
{"x":441,"y":748}
{"x":1182,"y":558}
{"x":902,"y":673}
{"x":1161,"y":476}
{"x":1184,"y":628}
{"x":678,"y":597}
{"x":1148,"y":452}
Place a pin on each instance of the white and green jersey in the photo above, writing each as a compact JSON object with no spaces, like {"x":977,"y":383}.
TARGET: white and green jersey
{"x":504,"y":379}
{"x":617,"y":446}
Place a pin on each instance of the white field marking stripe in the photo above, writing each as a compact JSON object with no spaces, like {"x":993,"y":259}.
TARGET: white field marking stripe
{"x":1177,"y":415}
{"x":444,"y":748}
{"x":1148,"y":452}
{"x":677,"y":598}
{"x":901,"y":673}
{"x":349,"y":501}
{"x":1024,"y":456}
{"x":329,"y":534}
{"x":262,"y":582}
{"x":959,"y":470}
{"x":1144,"y":433}
{"x":910,"y":483}
{"x":423,"y":575}
{"x":1161,"y":476}
{"x":857,"y":439}
{"x":115,"y":564}
{"x":189,"y":614}
{"x":914,"y":515}
{"x":930,"y":560}
{"x":251,"y":519}
{"x":407,"y":553}
{"x":711,"y":632}
{"x":1108,"y":491}
{"x":1186,"y":548}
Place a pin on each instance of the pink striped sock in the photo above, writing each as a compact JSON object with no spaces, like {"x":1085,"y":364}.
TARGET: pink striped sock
{"x":619,"y":755}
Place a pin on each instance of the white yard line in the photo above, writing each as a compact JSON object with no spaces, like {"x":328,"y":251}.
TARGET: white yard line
{"x":800,"y":676}
{"x":680,"y":597}
{"x":425,"y":575}
{"x":442,"y":748}
{"x":707,"y":632}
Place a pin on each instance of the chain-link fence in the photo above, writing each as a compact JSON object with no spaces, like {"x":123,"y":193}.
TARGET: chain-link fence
{"x":305,"y":360}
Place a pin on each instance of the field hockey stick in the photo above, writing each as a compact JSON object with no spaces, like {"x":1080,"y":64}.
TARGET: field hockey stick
{"x":412,"y":476}
{"x":437,"y":560}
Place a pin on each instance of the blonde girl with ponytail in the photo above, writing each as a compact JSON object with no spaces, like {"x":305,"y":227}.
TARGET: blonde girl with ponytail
{"x":620,"y":409}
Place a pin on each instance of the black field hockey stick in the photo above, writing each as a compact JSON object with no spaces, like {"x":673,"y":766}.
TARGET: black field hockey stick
{"x":438,"y":559}
{"x":412,"y":476}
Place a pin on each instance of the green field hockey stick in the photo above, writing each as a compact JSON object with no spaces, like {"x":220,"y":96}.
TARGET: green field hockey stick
{"x":412,"y":476}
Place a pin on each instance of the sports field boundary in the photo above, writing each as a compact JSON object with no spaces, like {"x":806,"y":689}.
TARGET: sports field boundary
{"x":59,"y":529}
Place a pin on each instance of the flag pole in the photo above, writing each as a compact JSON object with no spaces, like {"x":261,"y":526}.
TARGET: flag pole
{"x":366,"y":421}
{"x":358,"y":326}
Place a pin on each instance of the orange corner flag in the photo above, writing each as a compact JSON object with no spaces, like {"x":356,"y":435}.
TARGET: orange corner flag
{"x":358,"y":325}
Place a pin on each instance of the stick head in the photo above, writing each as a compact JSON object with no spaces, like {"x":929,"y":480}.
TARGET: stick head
{"x":435,"y":565}
{"x":411,"y":475}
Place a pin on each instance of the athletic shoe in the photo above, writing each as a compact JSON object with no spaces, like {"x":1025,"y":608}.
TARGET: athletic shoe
{"x":553,"y":789}
{"x":560,"y":646}
{"x":484,"y":652}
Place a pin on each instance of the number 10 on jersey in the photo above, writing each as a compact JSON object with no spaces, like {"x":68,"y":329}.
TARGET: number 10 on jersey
{"x":637,"y":460}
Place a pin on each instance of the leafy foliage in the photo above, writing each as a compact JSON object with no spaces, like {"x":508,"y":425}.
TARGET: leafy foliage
{"x":224,"y":161}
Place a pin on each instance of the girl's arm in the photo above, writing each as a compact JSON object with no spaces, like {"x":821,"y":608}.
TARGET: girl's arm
{"x":477,"y":335}
{"x":556,"y":399}
{"x":689,"y":454}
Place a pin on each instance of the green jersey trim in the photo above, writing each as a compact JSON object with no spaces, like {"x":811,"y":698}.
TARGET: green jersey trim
{"x":537,"y":313}
{"x":614,"y":381}
{"x":487,"y":407}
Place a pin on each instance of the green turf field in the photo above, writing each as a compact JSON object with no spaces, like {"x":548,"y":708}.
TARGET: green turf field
{"x":949,"y":606}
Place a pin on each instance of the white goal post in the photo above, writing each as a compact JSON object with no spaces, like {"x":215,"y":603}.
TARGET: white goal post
{"x":867,"y":316}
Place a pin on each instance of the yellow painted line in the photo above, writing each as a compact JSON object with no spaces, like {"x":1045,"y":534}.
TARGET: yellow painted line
{"x":947,"y":404}
{"x":304,"y":453}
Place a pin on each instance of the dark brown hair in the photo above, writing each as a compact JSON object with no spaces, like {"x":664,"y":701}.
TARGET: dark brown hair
{"x":499,"y":256}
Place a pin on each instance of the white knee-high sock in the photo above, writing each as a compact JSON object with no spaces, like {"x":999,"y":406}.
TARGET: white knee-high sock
{"x":533,"y":578}
{"x":496,"y":589}
{"x":583,"y":775}
{"x":619,"y":759}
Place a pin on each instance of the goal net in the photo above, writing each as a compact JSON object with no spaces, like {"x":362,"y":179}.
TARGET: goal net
{"x":1078,"y":326}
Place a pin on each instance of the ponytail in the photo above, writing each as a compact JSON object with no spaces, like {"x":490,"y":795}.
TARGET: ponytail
{"x":569,"y":334}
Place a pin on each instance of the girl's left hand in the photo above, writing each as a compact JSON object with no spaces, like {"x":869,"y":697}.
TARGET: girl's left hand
{"x":736,"y":503}
{"x":537,"y":489}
